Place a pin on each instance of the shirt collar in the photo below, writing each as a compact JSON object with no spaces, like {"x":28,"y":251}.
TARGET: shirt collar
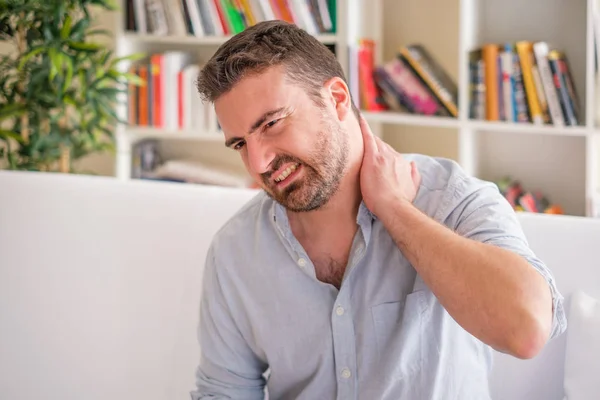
{"x":364,"y":219}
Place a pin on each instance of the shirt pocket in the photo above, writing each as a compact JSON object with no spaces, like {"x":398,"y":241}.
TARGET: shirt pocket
{"x":399,"y":335}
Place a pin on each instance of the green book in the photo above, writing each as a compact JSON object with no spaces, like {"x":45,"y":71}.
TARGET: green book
{"x":332,"y":4}
{"x":235,"y":20}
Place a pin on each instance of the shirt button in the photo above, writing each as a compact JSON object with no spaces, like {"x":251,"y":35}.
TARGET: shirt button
{"x":302,"y":262}
{"x":346,"y":373}
{"x":339,"y":310}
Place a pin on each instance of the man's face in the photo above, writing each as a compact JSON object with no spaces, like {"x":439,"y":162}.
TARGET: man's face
{"x":295,"y":150}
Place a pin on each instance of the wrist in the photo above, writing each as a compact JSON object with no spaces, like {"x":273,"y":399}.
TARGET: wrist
{"x":394,"y":211}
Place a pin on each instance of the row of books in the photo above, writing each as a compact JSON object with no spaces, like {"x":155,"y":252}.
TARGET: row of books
{"x":522,"y":82}
{"x":225,"y":17}
{"x":413,"y":82}
{"x":169,"y":99}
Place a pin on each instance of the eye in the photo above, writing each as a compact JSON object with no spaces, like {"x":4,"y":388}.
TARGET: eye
{"x":239,"y":145}
{"x":270,"y":124}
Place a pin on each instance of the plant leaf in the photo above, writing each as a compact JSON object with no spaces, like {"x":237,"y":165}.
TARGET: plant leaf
{"x":85,"y":46}
{"x":12,"y":110}
{"x":34,"y":52}
{"x":66,"y":29}
{"x":69,"y":76}
{"x":56,"y":63}
{"x":5,"y":135}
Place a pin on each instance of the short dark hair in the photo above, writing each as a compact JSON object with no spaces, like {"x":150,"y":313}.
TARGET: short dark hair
{"x":306,"y":60}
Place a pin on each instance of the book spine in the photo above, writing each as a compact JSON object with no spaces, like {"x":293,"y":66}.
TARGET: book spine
{"x":522,"y":112}
{"x":500,"y":78}
{"x":564,"y":68}
{"x":158,"y":84}
{"x":490,"y":56}
{"x":410,"y":87}
{"x":525,"y":52}
{"x":561,"y":90}
{"x":508,"y":79}
{"x":539,"y":87}
{"x":385,"y":82}
{"x":423,"y":67}
{"x":540,"y":50}
{"x":366,"y":73}
{"x":143,"y":97}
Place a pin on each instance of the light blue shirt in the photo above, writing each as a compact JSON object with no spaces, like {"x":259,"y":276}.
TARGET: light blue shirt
{"x":383,"y":335}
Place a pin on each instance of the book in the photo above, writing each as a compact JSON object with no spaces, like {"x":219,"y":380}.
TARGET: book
{"x":433,"y":76}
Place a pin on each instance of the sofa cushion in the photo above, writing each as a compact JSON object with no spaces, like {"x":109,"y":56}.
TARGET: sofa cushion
{"x":582,"y":358}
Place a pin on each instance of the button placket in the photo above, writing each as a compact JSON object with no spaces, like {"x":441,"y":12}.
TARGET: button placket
{"x":343,"y":344}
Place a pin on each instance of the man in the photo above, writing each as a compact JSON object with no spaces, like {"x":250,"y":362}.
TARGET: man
{"x":361,"y":273}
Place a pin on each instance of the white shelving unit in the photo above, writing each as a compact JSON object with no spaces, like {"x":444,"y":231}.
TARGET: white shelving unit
{"x":561,"y":162}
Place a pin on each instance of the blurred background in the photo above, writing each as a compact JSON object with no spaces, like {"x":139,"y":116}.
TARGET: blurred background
{"x":506,"y":88}
{"x":114,"y":178}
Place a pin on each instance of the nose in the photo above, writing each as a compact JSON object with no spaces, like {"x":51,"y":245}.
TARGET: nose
{"x":260,"y":157}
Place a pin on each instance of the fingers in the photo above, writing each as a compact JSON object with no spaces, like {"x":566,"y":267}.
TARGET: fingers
{"x":368,"y":138}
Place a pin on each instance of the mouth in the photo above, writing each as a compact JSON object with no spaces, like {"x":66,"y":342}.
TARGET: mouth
{"x":287,"y":175}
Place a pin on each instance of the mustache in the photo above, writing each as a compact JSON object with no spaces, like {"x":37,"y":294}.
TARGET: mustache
{"x":277,"y":163}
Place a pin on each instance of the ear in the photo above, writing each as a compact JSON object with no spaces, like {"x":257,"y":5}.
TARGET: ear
{"x":338,"y":94}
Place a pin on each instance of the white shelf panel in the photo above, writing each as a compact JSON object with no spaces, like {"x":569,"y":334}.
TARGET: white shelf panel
{"x":138,"y":133}
{"x":194,"y":40}
{"x":388,"y":117}
{"x":396,"y":118}
{"x":527,"y":128}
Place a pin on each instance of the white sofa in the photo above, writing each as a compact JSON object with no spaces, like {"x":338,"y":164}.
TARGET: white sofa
{"x":100,"y":284}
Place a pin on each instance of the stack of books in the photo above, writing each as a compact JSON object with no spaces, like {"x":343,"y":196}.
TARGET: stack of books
{"x":522,"y":82}
{"x":412,"y":82}
{"x":168,"y":100}
{"x":528,"y":201}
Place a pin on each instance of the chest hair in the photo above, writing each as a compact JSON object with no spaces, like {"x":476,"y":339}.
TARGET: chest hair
{"x":330,"y":270}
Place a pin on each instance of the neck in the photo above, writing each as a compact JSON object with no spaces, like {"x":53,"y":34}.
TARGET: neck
{"x":338,"y":214}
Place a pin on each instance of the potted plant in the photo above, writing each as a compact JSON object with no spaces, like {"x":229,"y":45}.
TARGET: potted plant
{"x":59,"y":87}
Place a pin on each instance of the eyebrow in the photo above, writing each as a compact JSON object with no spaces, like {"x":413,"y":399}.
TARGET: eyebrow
{"x":256,"y":125}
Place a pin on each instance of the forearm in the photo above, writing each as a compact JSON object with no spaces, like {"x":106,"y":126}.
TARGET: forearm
{"x":491,"y":292}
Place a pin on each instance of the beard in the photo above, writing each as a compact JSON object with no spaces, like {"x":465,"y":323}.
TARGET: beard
{"x":322,"y":172}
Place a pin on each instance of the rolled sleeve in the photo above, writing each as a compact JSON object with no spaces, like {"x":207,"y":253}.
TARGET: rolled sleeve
{"x":479,"y":211}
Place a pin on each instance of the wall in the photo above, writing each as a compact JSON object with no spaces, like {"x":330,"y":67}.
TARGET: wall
{"x":434,"y":24}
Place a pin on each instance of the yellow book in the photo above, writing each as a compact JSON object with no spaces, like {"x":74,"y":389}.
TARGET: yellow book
{"x":525,"y":52}
{"x":247,"y":9}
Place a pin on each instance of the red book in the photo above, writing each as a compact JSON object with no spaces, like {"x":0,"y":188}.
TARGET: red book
{"x":180,"y":100}
{"x":157,"y":76}
{"x":366,"y":68}
{"x":222,"y":17}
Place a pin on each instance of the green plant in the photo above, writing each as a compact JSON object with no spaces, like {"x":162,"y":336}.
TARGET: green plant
{"x":59,"y":87}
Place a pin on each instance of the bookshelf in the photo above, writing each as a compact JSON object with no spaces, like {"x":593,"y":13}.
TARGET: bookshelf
{"x":205,"y":145}
{"x":562,"y":162}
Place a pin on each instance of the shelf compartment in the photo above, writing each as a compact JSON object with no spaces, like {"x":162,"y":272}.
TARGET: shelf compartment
{"x":555,"y":165}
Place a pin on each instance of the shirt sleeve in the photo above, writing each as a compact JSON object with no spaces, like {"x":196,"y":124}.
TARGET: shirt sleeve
{"x":228,"y":368}
{"x":480,"y":212}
